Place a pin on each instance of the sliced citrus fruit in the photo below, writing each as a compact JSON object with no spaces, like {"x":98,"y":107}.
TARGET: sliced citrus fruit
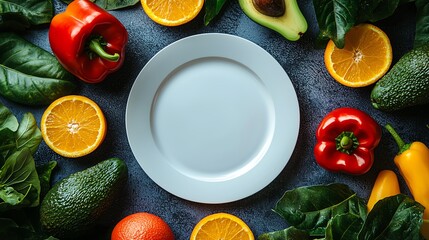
{"x":73,"y":126}
{"x":365,"y":58}
{"x":223,"y":226}
{"x":172,"y":12}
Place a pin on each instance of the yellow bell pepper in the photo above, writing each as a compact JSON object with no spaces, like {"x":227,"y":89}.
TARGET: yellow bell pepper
{"x":385,"y":185}
{"x":413,"y":163}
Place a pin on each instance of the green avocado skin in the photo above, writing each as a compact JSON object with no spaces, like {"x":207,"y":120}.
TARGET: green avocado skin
{"x":406,"y":84}
{"x":75,"y":203}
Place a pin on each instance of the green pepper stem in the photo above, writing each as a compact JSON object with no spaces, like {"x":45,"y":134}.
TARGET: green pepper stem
{"x":95,"y":46}
{"x":346,"y":142}
{"x":401,"y":144}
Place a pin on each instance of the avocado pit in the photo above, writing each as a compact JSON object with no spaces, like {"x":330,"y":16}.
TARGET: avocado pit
{"x":272,"y":8}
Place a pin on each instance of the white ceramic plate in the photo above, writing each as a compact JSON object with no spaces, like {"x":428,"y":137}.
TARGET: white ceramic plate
{"x":212,"y":118}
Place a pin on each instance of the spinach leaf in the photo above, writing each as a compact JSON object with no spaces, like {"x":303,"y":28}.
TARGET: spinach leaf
{"x":25,"y":57}
{"x":44,"y":172}
{"x":333,"y":212}
{"x":8,"y":126}
{"x":18,"y":14}
{"x":11,"y":230}
{"x":109,"y":4}
{"x":7,"y":120}
{"x":212,"y":8}
{"x":31,"y":90}
{"x":422,"y":23}
{"x":19,"y":182}
{"x":8,"y":226}
{"x":344,"y":227}
{"x":289,"y":233}
{"x":28,"y":134}
{"x":335,"y":18}
{"x":14,"y":136}
{"x":311,"y":207}
{"x":396,"y":217}
{"x":24,"y":223}
{"x":375,"y":10}
{"x":29,"y":74}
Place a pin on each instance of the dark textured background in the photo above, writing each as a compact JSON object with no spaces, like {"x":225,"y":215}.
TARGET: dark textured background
{"x":317,"y":93}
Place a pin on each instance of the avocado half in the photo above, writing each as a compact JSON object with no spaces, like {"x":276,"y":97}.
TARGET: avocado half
{"x":291,"y":25}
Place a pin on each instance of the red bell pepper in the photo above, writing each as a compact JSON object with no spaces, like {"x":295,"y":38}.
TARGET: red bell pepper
{"x":346,"y":139}
{"x":88,"y":41}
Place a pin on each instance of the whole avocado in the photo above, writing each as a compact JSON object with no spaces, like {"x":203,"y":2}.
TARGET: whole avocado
{"x":406,"y":84}
{"x":74,"y":204}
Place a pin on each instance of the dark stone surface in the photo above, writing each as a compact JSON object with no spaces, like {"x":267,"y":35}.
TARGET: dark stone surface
{"x":317,"y":93}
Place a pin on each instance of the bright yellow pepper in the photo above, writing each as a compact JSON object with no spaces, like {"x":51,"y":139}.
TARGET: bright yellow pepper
{"x":413,"y":163}
{"x":385,"y":185}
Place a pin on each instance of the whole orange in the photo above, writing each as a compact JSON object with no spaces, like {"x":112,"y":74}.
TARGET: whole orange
{"x":142,"y":226}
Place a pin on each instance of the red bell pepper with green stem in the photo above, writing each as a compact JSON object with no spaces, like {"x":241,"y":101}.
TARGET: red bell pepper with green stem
{"x":88,"y":41}
{"x":346,"y":139}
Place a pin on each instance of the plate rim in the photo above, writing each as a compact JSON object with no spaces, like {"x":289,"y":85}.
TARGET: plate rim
{"x":243,"y":191}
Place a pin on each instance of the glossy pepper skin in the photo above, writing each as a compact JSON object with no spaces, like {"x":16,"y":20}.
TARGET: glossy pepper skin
{"x":386,"y":185}
{"x":88,"y":41}
{"x":413,"y":164}
{"x":346,"y":139}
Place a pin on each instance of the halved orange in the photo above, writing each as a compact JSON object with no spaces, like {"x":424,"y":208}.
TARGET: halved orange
{"x":365,"y":58}
{"x":73,"y":126}
{"x":223,"y":226}
{"x":172,"y":12}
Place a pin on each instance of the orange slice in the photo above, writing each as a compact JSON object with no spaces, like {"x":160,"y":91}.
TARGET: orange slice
{"x":73,"y":126}
{"x":172,"y":12}
{"x":365,"y":58}
{"x":221,"y":226}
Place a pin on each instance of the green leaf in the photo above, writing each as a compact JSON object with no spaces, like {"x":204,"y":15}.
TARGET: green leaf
{"x":397,"y":217}
{"x":375,"y":10}
{"x":7,"y":120}
{"x":28,"y":134}
{"x":10,"y":229}
{"x":19,"y":14}
{"x":290,"y":233}
{"x":45,"y":172}
{"x":212,"y":8}
{"x":6,"y":225}
{"x":10,"y":196}
{"x":422,"y":23}
{"x":19,"y":182}
{"x":335,"y":18}
{"x":31,"y":90}
{"x":312,"y":207}
{"x":25,"y":57}
{"x":14,"y":136}
{"x":111,"y":4}
{"x":29,"y":74}
{"x":8,"y":125}
{"x":344,"y":227}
